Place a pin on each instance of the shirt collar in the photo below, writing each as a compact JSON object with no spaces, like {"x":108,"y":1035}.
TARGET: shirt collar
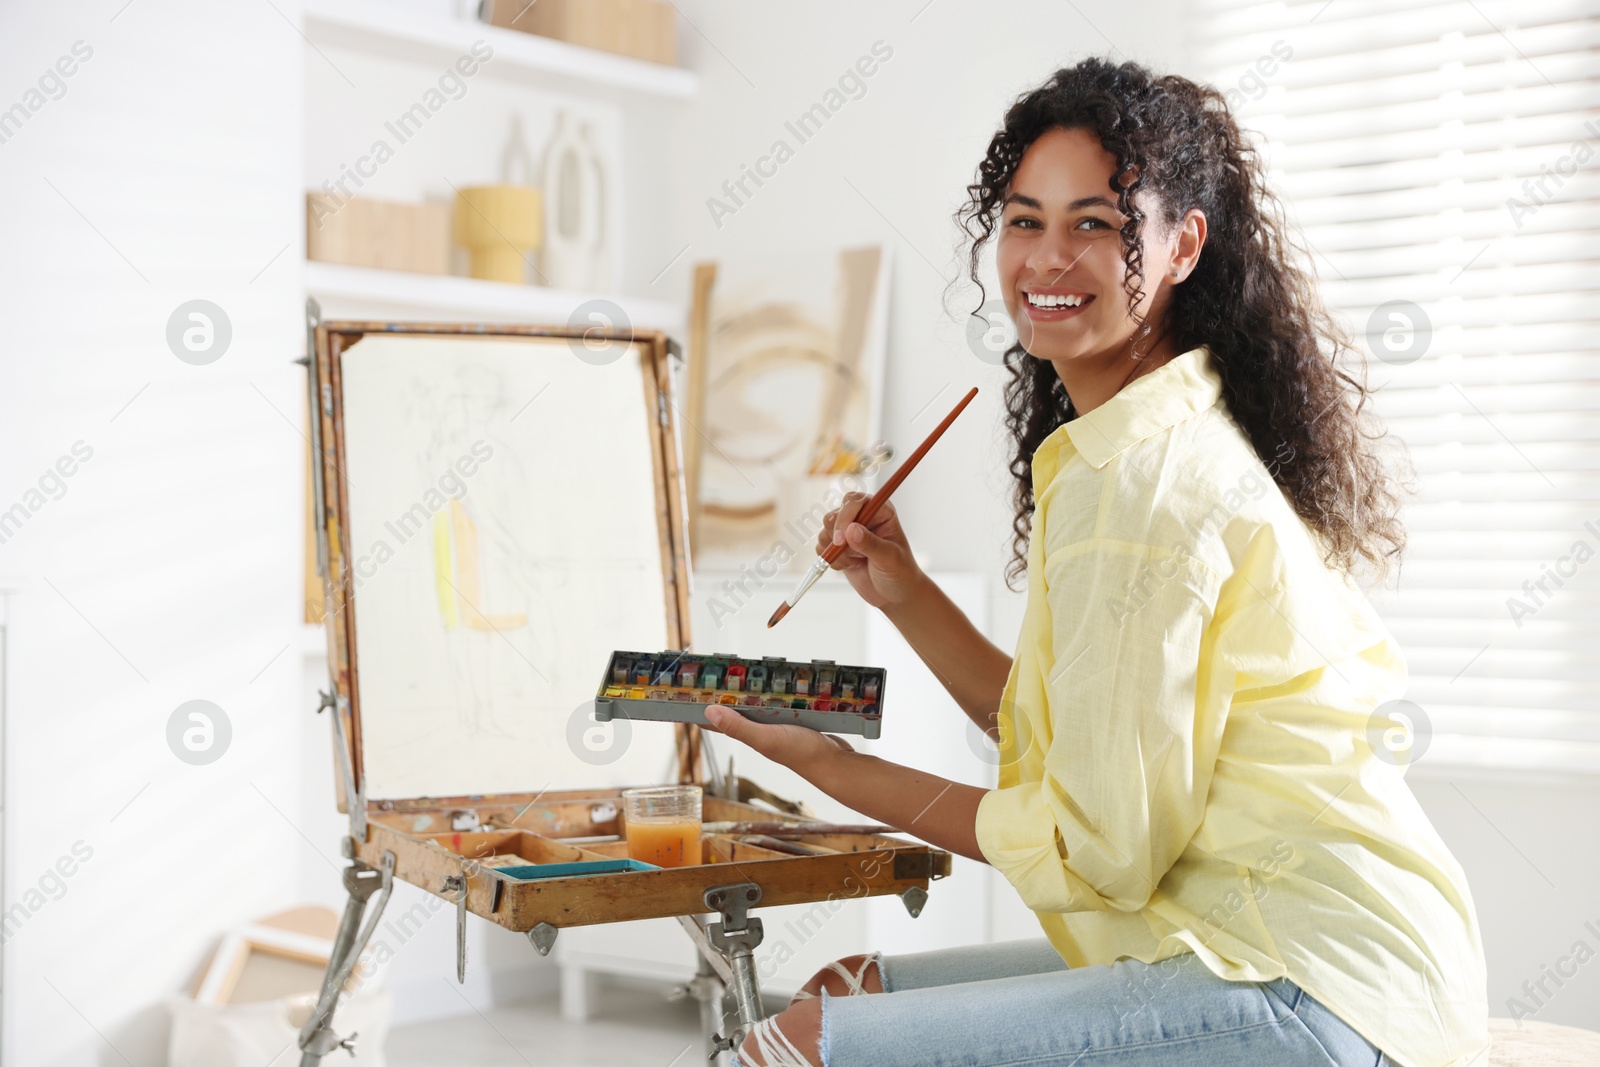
{"x":1184,"y":386}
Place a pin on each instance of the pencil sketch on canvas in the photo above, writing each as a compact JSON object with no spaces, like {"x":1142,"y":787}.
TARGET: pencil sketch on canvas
{"x":504,"y":539}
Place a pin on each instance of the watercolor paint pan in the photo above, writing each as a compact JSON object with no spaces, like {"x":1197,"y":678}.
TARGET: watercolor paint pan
{"x":529,"y":871}
{"x":676,"y":685}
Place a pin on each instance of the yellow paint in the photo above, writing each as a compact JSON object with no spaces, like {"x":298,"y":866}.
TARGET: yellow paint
{"x":441,"y":571}
{"x":456,"y":576}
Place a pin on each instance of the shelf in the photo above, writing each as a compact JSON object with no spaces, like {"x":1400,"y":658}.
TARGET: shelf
{"x":362,"y":292}
{"x":377,"y":29}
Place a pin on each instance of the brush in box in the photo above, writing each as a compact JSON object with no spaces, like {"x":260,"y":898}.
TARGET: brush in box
{"x":675,"y":686}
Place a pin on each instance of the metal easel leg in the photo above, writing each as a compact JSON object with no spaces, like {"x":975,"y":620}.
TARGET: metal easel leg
{"x":727,"y":961}
{"x":317,"y":1038}
{"x":710,"y":1006}
{"x":707,"y":988}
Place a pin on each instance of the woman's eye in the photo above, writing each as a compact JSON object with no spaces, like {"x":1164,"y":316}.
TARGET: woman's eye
{"x":1027,"y":222}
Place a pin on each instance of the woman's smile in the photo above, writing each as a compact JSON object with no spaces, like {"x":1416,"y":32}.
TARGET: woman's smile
{"x":1054,"y":304}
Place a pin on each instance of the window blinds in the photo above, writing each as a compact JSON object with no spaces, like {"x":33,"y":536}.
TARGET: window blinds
{"x":1443,"y":163}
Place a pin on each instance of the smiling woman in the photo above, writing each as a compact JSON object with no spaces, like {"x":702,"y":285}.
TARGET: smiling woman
{"x":1178,"y":160}
{"x":1189,"y":798}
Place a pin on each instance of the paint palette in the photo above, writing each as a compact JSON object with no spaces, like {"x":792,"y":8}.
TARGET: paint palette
{"x":675,"y":686}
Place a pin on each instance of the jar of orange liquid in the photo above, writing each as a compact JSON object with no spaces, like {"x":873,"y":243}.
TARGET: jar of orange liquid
{"x":663,"y":824}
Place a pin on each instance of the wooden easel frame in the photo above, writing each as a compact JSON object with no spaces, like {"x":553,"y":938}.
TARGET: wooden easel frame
{"x":331,"y":500}
{"x":434,"y":842}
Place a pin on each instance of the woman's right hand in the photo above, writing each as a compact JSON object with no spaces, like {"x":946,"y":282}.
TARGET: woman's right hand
{"x":876,"y":558}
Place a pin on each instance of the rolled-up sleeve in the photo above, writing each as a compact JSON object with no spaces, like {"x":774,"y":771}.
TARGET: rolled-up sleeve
{"x":1124,"y":720}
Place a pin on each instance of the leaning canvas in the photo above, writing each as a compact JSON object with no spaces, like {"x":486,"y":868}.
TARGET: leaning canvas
{"x":809,"y":328}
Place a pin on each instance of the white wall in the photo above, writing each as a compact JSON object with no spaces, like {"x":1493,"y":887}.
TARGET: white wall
{"x":169,"y":170}
{"x":1527,"y":844}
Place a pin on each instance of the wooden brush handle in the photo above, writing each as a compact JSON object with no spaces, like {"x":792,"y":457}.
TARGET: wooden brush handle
{"x":888,"y":487}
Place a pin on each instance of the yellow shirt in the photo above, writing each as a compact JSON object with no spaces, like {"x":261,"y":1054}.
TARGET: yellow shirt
{"x":1187,"y":765}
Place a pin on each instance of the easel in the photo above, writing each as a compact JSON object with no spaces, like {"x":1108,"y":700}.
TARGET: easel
{"x":436,"y":842}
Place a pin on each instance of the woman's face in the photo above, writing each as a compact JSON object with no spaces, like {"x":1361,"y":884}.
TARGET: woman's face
{"x":1059,"y":252}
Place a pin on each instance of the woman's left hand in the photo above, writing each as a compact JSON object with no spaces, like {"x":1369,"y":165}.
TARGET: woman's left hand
{"x":796,"y":747}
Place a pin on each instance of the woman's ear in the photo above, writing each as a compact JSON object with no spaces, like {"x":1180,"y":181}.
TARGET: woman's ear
{"x":1188,"y":237}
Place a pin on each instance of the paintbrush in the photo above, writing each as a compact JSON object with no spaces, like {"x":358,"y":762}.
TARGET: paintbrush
{"x":789,"y":829}
{"x":820,"y":567}
{"x":777,"y":844}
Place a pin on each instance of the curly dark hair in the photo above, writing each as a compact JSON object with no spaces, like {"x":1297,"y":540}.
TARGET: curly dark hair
{"x":1280,"y":354}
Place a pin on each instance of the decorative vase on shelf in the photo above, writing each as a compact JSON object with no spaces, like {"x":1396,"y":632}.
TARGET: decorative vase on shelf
{"x":499,"y":225}
{"x":574,"y":252}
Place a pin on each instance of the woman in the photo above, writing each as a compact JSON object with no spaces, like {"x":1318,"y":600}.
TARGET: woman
{"x":1227,"y":869}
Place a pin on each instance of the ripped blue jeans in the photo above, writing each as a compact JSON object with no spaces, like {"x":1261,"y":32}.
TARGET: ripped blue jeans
{"x":1016,"y":1003}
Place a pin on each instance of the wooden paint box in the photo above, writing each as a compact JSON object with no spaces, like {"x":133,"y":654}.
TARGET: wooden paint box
{"x":474,"y":585}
